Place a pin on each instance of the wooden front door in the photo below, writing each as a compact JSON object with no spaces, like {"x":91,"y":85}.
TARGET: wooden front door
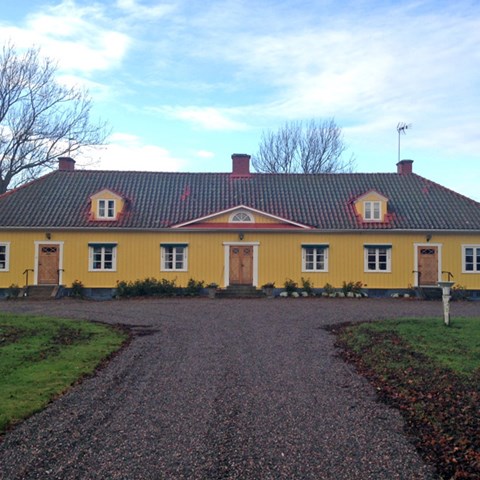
{"x":48,"y":264}
{"x":241,"y":265}
{"x":427,"y":265}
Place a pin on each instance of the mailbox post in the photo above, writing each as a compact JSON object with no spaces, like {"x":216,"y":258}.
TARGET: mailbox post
{"x":446,"y":286}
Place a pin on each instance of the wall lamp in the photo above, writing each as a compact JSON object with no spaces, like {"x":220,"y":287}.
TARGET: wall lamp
{"x":428,"y":237}
{"x":48,"y":235}
{"x":241,"y":236}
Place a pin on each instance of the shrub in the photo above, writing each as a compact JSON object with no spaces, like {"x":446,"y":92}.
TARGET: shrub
{"x":13,"y":291}
{"x":459,"y":292}
{"x":193,"y":287}
{"x":347,"y":287}
{"x":123,"y":289}
{"x":357,"y":287}
{"x":329,"y":289}
{"x":76,"y":289}
{"x":307,"y":285}
{"x":146,"y":288}
{"x":290,"y":286}
{"x":167,"y":287}
{"x":353,"y":287}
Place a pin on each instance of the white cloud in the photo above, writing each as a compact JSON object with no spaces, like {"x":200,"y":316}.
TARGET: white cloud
{"x":392,"y":59}
{"x":208,"y":118}
{"x":146,"y":12}
{"x":204,"y":154}
{"x":79,"y":38}
{"x":128,"y":152}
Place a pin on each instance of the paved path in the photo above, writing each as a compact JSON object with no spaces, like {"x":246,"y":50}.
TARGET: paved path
{"x":220,"y":389}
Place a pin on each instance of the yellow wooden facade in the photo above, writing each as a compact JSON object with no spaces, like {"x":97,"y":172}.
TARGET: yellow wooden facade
{"x":278,"y":256}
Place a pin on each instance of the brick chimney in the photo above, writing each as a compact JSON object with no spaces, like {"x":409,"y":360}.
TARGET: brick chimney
{"x":66,"y":164}
{"x":240,"y":165}
{"x":404,"y":167}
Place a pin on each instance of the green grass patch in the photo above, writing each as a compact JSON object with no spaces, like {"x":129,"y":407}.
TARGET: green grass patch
{"x":456,"y":347}
{"x":41,"y":357}
{"x":432,"y":374}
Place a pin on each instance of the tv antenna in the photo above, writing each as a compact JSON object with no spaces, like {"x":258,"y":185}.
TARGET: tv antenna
{"x":401,"y":128}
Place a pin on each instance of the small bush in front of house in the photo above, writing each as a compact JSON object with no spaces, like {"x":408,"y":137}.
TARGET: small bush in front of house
{"x":350,"y":289}
{"x":459,"y":292}
{"x":146,"y":288}
{"x":77,"y":289}
{"x":122,"y":289}
{"x":347,"y":287}
{"x":328,"y":289}
{"x":167,"y":288}
{"x":357,"y":287}
{"x":290,"y":286}
{"x":193,"y":287}
{"x":13,"y":291}
{"x":307,"y":285}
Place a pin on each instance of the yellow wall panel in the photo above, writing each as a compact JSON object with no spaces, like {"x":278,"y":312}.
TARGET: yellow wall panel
{"x":279,"y":256}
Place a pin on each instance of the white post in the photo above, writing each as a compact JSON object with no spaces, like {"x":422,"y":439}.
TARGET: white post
{"x":446,"y":300}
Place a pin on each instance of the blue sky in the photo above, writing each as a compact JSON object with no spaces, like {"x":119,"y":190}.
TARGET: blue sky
{"x":186,"y":83}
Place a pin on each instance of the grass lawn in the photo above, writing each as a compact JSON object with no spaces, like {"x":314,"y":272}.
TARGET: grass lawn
{"x":432,"y":374}
{"x":41,"y":357}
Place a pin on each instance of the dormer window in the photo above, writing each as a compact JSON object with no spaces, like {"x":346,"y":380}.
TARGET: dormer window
{"x":372,"y":207}
{"x":241,"y":217}
{"x":106,"y":209}
{"x":106,"y":205}
{"x":373,"y":211}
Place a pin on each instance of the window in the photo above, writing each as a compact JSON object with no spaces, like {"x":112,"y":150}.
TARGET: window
{"x":471,"y":259}
{"x":373,"y":211}
{"x":4,"y":256}
{"x":103,"y":257}
{"x":378,"y":258}
{"x":314,"y":258}
{"x":106,"y":209}
{"x":241,"y":217}
{"x":174,"y":257}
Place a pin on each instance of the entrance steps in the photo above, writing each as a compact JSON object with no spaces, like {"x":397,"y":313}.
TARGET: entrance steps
{"x":41,"y":292}
{"x":240,"y":291}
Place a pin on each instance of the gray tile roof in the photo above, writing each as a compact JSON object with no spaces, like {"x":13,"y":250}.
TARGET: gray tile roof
{"x":155,"y":200}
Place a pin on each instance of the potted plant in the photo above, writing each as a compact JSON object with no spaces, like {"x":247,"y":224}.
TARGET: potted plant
{"x":269,"y":289}
{"x":212,"y":289}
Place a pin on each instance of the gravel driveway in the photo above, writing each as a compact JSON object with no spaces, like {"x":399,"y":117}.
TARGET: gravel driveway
{"x":217,"y":389}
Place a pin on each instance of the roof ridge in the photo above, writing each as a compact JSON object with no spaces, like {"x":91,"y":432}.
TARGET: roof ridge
{"x":292,"y":174}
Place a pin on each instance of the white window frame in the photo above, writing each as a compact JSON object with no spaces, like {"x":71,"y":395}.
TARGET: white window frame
{"x":163,"y":257}
{"x":6,"y":245}
{"x":241,"y":212}
{"x":91,"y":252}
{"x":377,"y":248}
{"x":476,"y":252}
{"x":317,"y":250}
{"x":103,"y":204}
{"x":369,"y":210}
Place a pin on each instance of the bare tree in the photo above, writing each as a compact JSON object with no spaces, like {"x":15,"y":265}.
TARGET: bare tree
{"x":313,"y":147}
{"x":40,"y":119}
